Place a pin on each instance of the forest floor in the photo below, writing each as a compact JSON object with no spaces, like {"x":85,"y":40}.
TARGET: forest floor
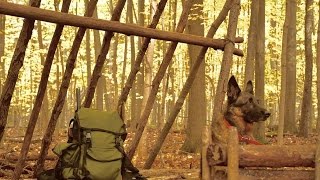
{"x":171,"y":163}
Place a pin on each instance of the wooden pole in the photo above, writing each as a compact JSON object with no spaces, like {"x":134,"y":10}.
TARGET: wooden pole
{"x":233,"y":154}
{"x":102,"y":56}
{"x":15,"y":66}
{"x":186,"y":87}
{"x":157,"y":80}
{"x":128,"y":29}
{"x":317,"y":162}
{"x":40,"y":95}
{"x":136,"y":67}
{"x":47,"y":138}
{"x":206,"y":140}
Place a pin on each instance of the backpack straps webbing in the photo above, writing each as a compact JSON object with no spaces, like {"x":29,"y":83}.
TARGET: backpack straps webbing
{"x":103,"y":130}
{"x":127,"y":164}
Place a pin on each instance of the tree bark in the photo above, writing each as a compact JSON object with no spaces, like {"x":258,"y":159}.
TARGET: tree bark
{"x":259,"y":127}
{"x":88,"y":56}
{"x":128,"y":29}
{"x":15,"y":66}
{"x":131,"y":77}
{"x":102,"y":55}
{"x":100,"y":85}
{"x":62,"y":91}
{"x":136,"y":67}
{"x":275,"y":174}
{"x":252,"y":36}
{"x":307,"y":94}
{"x":140,"y":76}
{"x":233,"y":154}
{"x":283,"y":81}
{"x":290,"y":107}
{"x":185,"y":90}
{"x":317,"y":161}
{"x":115,"y":67}
{"x":2,"y":45}
{"x":318,"y":73}
{"x":40,"y":95}
{"x":142,"y":150}
{"x":224,"y":73}
{"x":268,"y":156}
{"x":197,"y":98}
{"x":157,"y":80}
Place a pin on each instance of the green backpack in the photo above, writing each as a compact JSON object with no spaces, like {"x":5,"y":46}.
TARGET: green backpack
{"x":95,"y":148}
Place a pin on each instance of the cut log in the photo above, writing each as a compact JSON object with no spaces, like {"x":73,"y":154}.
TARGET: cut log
{"x":92,"y":23}
{"x":233,"y":158}
{"x":266,"y":155}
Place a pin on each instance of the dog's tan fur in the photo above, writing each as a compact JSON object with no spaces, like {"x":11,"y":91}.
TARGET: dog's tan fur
{"x":241,"y":111}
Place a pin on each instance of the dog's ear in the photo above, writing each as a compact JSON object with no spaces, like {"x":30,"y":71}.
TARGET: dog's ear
{"x":233,"y":90}
{"x":249,"y":87}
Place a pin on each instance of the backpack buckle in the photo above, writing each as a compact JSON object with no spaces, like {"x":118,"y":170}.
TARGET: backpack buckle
{"x":88,"y":138}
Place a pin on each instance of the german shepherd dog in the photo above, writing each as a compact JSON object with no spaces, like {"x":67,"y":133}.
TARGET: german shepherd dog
{"x":242,"y":110}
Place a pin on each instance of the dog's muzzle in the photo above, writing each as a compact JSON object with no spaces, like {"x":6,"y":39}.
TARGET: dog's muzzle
{"x":266,"y":115}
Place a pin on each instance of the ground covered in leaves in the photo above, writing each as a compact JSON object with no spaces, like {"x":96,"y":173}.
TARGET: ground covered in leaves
{"x":171,"y":161}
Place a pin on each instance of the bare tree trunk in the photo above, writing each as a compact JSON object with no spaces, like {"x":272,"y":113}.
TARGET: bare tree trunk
{"x":157,"y":79}
{"x":124,"y":65}
{"x":2,"y":45}
{"x":307,"y":94}
{"x":133,"y":85}
{"x":88,"y":54}
{"x":224,"y":72}
{"x":259,"y":127}
{"x":40,"y":95}
{"x":100,"y":85}
{"x":197,"y":98}
{"x":63,"y":91}
{"x":15,"y":66}
{"x":147,"y":84}
{"x":136,"y":65}
{"x":252,"y":36}
{"x":114,"y":67}
{"x":290,"y":106}
{"x":186,"y":88}
{"x":44,"y":113}
{"x":283,"y":81}
{"x":140,"y":75}
{"x":102,"y":55}
{"x":318,"y":74}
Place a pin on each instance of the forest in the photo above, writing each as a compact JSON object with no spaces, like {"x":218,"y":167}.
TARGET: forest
{"x":172,"y":70}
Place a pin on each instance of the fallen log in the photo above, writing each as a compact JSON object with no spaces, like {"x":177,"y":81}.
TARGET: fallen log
{"x":20,"y":139}
{"x":265,"y":173}
{"x":13,"y":157}
{"x":99,"y":24}
{"x":265,"y":155}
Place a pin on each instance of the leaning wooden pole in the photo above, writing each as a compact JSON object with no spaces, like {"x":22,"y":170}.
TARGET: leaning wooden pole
{"x":186,"y":88}
{"x":15,"y":66}
{"x":47,"y":138}
{"x":157,"y":80}
{"x":136,"y":67}
{"x":99,"y":24}
{"x":40,"y":95}
{"x":225,"y":69}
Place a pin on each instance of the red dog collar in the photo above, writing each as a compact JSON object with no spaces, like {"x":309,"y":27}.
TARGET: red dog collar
{"x":245,"y":139}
